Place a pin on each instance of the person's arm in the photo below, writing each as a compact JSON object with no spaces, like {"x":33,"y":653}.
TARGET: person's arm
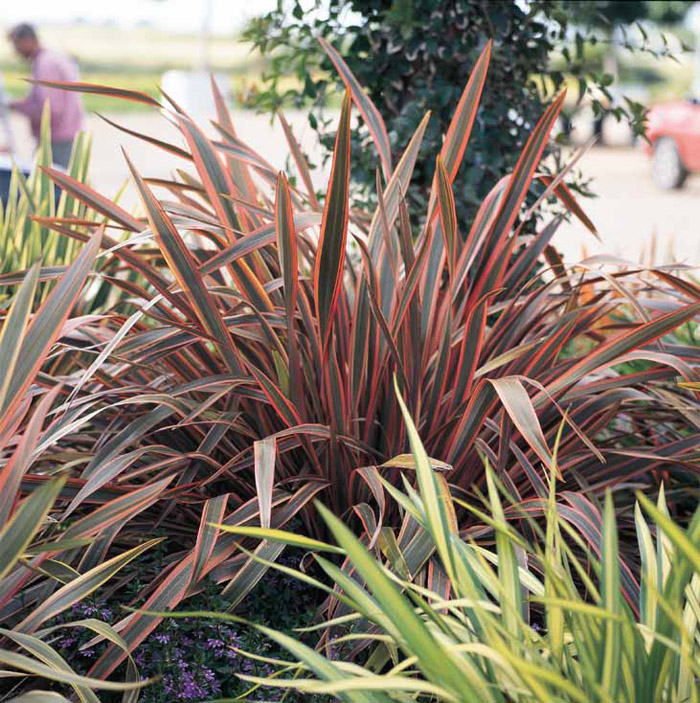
{"x":32,"y":105}
{"x":28,"y":105}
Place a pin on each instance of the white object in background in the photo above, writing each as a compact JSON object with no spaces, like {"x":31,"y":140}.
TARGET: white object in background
{"x":5,"y":119}
{"x":205,"y":33}
{"x":192,"y":90}
{"x":582,"y":125}
{"x":692,"y":22}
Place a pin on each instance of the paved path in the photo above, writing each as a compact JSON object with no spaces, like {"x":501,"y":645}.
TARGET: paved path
{"x":629,"y":211}
{"x":108,"y":167}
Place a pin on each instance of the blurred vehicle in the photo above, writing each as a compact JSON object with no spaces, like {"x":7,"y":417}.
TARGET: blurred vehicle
{"x":673,"y":131}
{"x":581,"y":123}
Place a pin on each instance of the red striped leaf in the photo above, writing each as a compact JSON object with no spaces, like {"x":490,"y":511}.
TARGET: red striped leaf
{"x":365,"y":107}
{"x":448,"y":216}
{"x":185,"y":269}
{"x":105,"y":90}
{"x":330,"y":258}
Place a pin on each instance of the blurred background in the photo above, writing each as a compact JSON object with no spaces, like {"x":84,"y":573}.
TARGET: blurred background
{"x":618,"y":59}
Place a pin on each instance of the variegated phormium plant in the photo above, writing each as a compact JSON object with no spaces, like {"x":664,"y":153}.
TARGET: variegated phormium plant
{"x":248,"y":364}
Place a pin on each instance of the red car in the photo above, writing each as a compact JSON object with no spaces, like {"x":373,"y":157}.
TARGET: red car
{"x":674,"y":132}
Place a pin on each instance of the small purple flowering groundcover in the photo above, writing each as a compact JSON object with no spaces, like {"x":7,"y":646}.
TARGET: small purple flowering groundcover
{"x":194,"y":659}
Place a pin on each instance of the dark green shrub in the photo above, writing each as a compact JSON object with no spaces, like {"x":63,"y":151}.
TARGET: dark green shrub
{"x":415,"y":55}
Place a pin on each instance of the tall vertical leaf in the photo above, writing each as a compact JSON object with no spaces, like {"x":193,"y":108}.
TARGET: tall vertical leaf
{"x":448,"y":216}
{"x":265,"y":452}
{"x":289,"y":264}
{"x":14,"y":327}
{"x":610,"y":656}
{"x":330,"y":259}
{"x":365,"y":107}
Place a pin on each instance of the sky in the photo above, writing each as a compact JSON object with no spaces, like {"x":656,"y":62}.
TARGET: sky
{"x":170,"y":15}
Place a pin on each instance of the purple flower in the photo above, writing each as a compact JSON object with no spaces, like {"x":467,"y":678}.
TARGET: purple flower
{"x":67,"y":642}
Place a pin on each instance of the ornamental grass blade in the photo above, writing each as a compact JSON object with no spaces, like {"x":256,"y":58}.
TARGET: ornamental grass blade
{"x":473,"y":338}
{"x":215,"y":179}
{"x":408,"y":461}
{"x":44,"y":671}
{"x":81,"y":587}
{"x":396,"y":186}
{"x":363,"y":326}
{"x":254,"y":241}
{"x":137,"y":626}
{"x":452,"y":152}
{"x":108,"y":633}
{"x":289,"y":264}
{"x":462,"y":121}
{"x":525,"y":168}
{"x":686,"y":549}
{"x":611,"y":654}
{"x":186,"y":271}
{"x":49,"y":656}
{"x":448,"y":216}
{"x":568,"y":199}
{"x":249,"y":574}
{"x":518,"y":185}
{"x":94,"y":200}
{"x":370,"y":115}
{"x":323,"y":668}
{"x":28,"y":519}
{"x":40,"y":697}
{"x":283,"y":407}
{"x":212,"y":515}
{"x":47,"y":324}
{"x":121,"y":508}
{"x":684,"y":564}
{"x":14,"y":327}
{"x":300,"y":161}
{"x":166,"y":146}
{"x":517,"y":403}
{"x":13,"y":471}
{"x":431,"y":494}
{"x":104,"y":90}
{"x":371,"y":280}
{"x":281,"y":537}
{"x":330,"y":258}
{"x":265,"y":454}
{"x":650,"y":577}
{"x":433,"y":658}
{"x":511,"y":598}
{"x":216,"y":182}
{"x":609,"y":351}
{"x":240,"y":174}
